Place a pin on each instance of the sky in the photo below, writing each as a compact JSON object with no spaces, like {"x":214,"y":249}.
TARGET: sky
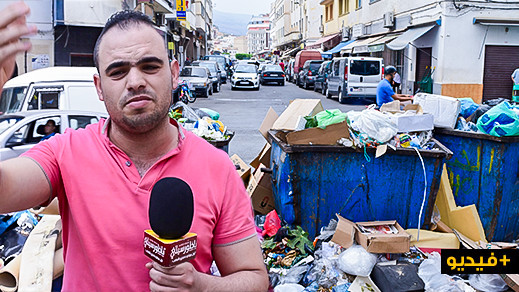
{"x":243,"y":6}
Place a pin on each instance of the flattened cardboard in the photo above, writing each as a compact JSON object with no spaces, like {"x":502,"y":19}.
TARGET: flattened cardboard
{"x":260,"y":191}
{"x":512,"y":281}
{"x":268,"y":122}
{"x":374,"y":243}
{"x":242,"y":168}
{"x":432,"y":239}
{"x":299,"y":107}
{"x":318,"y":136}
{"x":263,"y":157}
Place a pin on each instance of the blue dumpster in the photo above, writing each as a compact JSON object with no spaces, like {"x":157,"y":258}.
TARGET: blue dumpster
{"x":484,"y":170}
{"x":312,"y":183}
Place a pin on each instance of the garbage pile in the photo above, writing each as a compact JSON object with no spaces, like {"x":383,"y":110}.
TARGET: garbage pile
{"x":337,"y":264}
{"x":203,"y":122}
{"x":497,"y":117}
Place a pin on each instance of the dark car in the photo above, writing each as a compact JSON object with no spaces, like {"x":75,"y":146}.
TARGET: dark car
{"x":272,"y":73}
{"x":198,"y":77}
{"x":224,"y":64}
{"x":321,"y":82}
{"x":214,"y":70}
{"x":308,"y":75}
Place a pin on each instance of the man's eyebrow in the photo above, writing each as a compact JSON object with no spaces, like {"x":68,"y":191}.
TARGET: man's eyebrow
{"x":140,"y":62}
{"x":116,"y":65}
{"x":150,"y":60}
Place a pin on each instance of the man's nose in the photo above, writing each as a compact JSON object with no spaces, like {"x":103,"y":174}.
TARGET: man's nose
{"x":135,"y":79}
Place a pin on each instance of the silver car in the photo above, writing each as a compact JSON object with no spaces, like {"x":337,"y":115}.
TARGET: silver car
{"x":20,"y":131}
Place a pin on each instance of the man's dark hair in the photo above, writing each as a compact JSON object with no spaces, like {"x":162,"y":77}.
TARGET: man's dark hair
{"x":123,"y":20}
{"x":53,"y":122}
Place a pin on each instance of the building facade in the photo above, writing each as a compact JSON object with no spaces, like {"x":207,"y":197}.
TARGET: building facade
{"x":258,"y":34}
{"x":470,"y":48}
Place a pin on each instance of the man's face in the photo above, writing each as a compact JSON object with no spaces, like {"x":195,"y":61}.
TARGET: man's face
{"x":135,"y":80}
{"x":49,"y":128}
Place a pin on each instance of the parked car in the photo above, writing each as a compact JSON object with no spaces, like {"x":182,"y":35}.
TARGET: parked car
{"x":355,"y":77}
{"x":272,"y":73}
{"x":223,"y":62}
{"x":290,"y":70}
{"x":214,"y":70}
{"x":301,"y":58}
{"x":64,"y":88}
{"x":308,"y":75}
{"x":321,"y":82}
{"x":198,"y":77}
{"x":20,"y":131}
{"x":245,"y":76}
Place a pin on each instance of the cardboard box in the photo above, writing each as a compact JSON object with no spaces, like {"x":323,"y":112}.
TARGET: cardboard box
{"x":299,"y":107}
{"x":413,"y":122}
{"x":445,"y":109}
{"x":319,"y":136}
{"x":268,"y":122}
{"x":347,"y":232}
{"x":260,"y":191}
{"x":263,"y":157}
{"x":242,"y":168}
{"x":512,"y":281}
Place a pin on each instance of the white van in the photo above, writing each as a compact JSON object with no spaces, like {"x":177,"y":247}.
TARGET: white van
{"x":63,"y":88}
{"x":355,"y":77}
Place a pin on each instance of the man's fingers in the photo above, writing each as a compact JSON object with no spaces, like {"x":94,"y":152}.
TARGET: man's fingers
{"x":12,"y":12}
{"x":10,"y":50}
{"x":15,"y":32}
{"x":164,"y":279}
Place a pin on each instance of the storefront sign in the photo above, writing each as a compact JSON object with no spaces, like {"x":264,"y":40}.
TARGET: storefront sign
{"x":181,"y":10}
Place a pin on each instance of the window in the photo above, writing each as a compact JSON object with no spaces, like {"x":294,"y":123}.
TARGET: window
{"x":329,"y":12}
{"x":77,"y":122}
{"x":45,"y":98}
{"x":344,"y":7}
{"x":336,"y":68}
{"x":358,"y":4}
{"x":12,"y":99}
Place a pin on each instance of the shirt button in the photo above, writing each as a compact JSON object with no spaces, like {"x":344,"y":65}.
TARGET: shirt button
{"x":128,"y":163}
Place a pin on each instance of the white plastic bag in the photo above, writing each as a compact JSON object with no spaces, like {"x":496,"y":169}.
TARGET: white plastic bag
{"x":289,"y":288}
{"x":374,"y":124}
{"x":357,"y":261}
{"x":488,"y":283}
{"x":430,"y":273}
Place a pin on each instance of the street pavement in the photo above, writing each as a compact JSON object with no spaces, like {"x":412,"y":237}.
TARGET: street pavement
{"x":243,"y":111}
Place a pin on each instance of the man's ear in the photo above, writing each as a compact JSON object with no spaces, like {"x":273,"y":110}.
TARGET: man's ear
{"x":97,"y":82}
{"x":174,"y":73}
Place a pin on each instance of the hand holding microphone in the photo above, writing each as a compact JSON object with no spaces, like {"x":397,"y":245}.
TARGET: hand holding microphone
{"x":168,"y":243}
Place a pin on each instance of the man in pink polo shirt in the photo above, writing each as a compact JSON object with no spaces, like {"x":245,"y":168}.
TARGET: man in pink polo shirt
{"x":103,"y":175}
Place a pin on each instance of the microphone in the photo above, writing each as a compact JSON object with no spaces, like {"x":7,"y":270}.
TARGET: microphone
{"x":171,"y":211}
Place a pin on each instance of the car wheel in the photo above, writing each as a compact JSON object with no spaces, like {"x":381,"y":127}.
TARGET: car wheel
{"x":233,"y":88}
{"x":305,"y":85}
{"x":282,"y":83}
{"x":328,"y":95}
{"x":323,"y":89}
{"x":341,"y":98}
{"x":257,"y":88}
{"x":315,"y":87}
{"x":219,"y":87}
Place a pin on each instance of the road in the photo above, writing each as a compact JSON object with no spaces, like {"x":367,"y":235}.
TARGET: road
{"x":243,"y":111}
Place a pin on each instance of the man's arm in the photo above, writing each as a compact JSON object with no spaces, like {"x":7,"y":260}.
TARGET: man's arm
{"x":23,"y":185}
{"x":240,"y":264}
{"x":401,"y":97}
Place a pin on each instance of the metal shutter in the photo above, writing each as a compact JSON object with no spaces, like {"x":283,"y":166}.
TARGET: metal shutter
{"x":500,"y":63}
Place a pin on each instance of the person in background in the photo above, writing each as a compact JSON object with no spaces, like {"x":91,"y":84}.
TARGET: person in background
{"x":385,"y":91}
{"x":103,"y":174}
{"x":515,"y":76}
{"x":282,"y":65}
{"x":396,"y":83}
{"x":50,"y":129}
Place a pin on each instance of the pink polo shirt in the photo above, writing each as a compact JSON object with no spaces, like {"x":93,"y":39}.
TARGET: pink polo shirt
{"x":104,"y":205}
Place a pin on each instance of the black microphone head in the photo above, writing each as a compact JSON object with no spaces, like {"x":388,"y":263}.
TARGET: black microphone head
{"x":171,"y":208}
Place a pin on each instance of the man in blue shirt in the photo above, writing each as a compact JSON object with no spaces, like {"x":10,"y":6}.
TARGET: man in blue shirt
{"x":50,"y":128}
{"x":385,"y":91}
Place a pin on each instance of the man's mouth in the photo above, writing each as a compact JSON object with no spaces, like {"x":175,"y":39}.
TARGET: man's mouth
{"x":138,"y":101}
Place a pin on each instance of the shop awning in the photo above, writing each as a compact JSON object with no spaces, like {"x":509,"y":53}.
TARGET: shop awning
{"x":291,"y":52}
{"x":380,"y":44}
{"x":359,"y":46}
{"x":409,"y":36}
{"x":338,"y":48}
{"x":321,"y":41}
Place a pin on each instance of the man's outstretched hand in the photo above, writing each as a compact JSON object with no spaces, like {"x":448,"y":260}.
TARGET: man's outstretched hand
{"x":13,"y":26}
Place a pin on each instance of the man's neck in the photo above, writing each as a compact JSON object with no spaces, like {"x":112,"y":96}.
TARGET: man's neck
{"x":388,"y":79}
{"x":145,"y":149}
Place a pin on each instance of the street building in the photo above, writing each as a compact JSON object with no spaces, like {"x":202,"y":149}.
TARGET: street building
{"x":258,"y":34}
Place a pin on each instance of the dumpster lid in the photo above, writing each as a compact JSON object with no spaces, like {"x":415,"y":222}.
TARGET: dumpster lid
{"x":476,"y":135}
{"x":279,"y":137}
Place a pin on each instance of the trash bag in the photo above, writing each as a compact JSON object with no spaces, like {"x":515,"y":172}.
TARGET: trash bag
{"x":289,"y":288}
{"x":212,"y":114}
{"x":495,"y":101}
{"x":330,"y":117}
{"x":488,"y":282}
{"x":468,"y":107}
{"x":501,"y":120}
{"x":478,"y":113}
{"x":430,"y":273}
{"x":357,"y":261}
{"x":13,"y":239}
{"x":372,"y":123}
{"x":294,"y":275}
{"x":272,"y":223}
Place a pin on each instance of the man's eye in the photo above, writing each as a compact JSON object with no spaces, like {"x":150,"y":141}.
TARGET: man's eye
{"x":151,"y":67}
{"x":116,"y":73}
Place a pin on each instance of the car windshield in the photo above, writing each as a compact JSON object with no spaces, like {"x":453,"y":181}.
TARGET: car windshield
{"x":209,"y":66}
{"x":12,"y":99}
{"x":193,"y":72}
{"x":220,"y":60}
{"x":315,"y":66}
{"x":246,"y":69}
{"x":7,"y":122}
{"x":363,"y":67}
{"x":273,"y":68}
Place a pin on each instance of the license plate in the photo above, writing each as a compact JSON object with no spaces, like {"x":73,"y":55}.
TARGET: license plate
{"x":274,"y":75}
{"x":243,"y":82}
{"x":356,"y":89}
